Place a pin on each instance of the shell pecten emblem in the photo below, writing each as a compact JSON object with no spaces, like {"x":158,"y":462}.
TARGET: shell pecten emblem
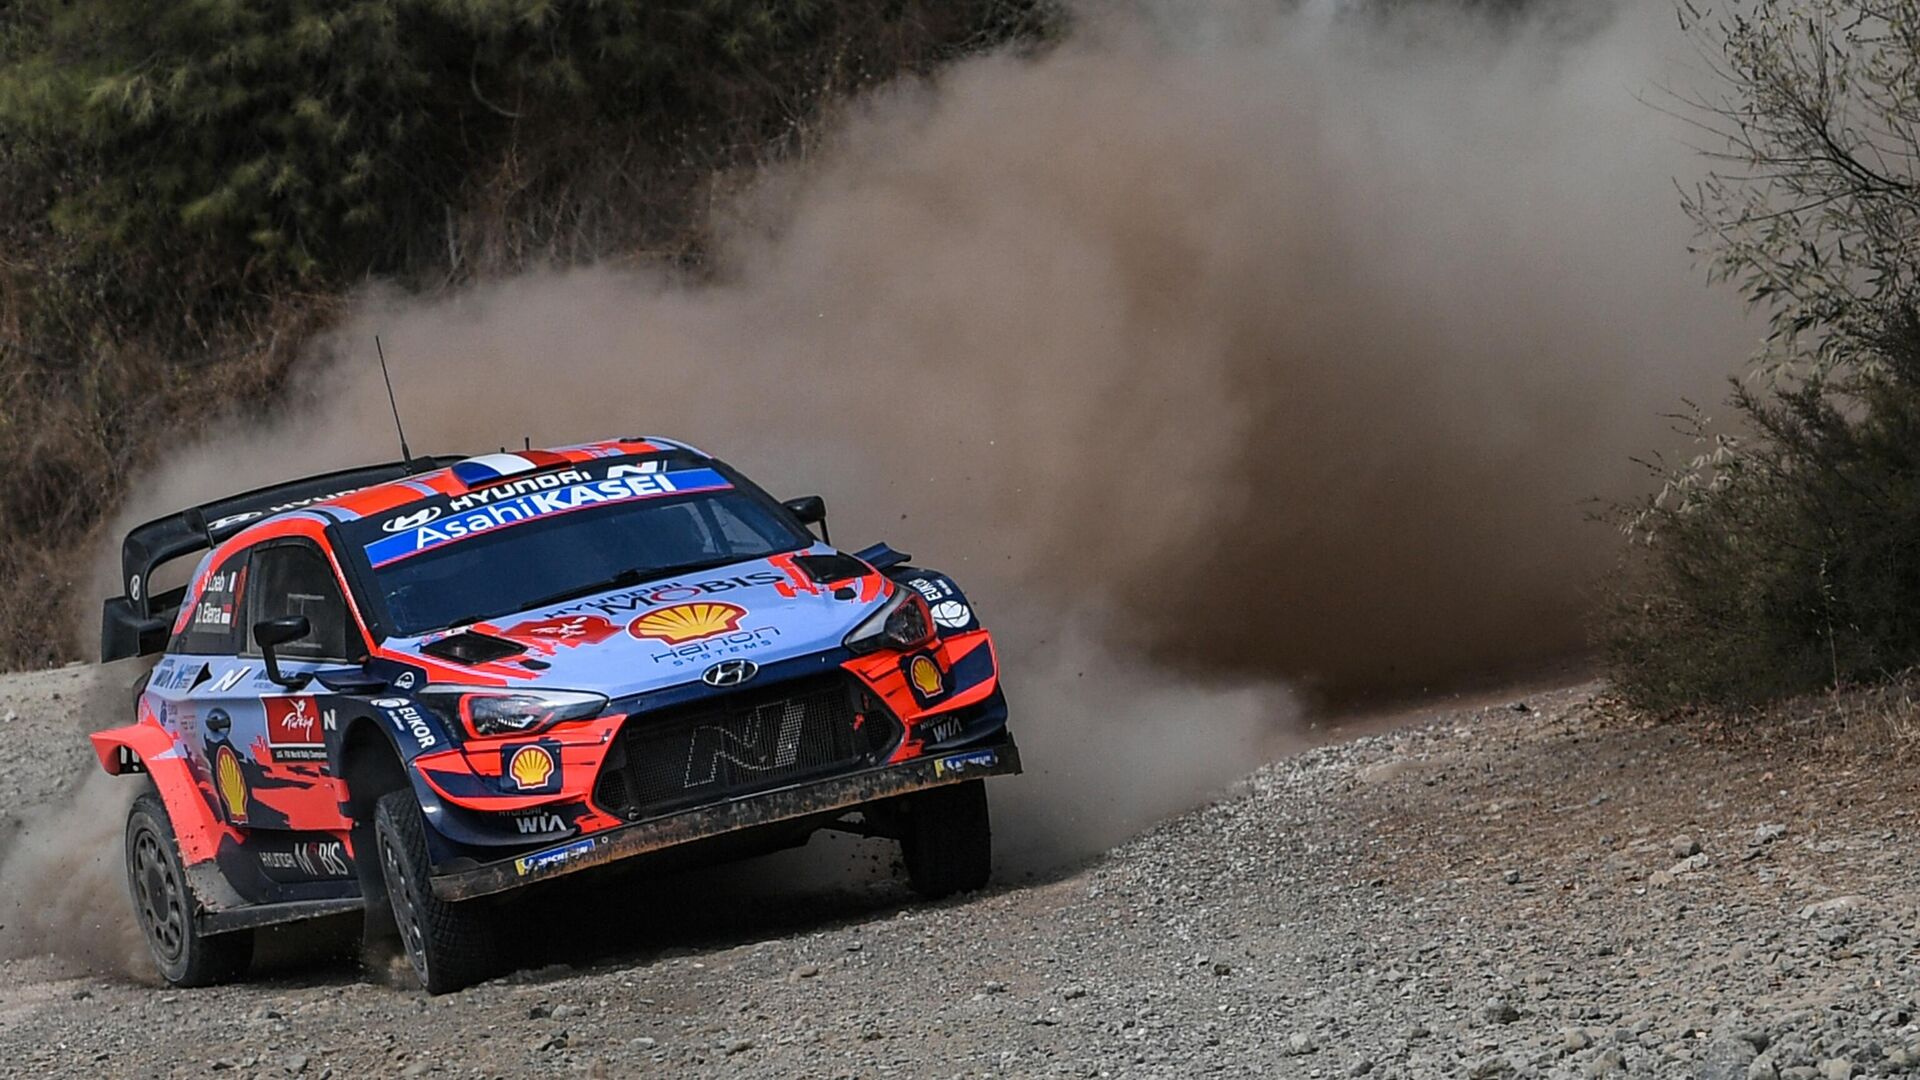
{"x":531,"y":767}
{"x":682,"y":623}
{"x":926,"y":676}
{"x":232,"y":784}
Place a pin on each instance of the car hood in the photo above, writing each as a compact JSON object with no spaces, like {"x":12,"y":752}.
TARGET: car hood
{"x":668,"y":632}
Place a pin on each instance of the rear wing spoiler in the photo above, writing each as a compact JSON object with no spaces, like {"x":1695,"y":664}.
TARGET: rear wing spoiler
{"x":138,"y":622}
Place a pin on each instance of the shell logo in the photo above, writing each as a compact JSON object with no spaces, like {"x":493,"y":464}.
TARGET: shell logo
{"x":232,"y":785}
{"x":531,"y":767}
{"x":687,"y":622}
{"x":925,"y":675}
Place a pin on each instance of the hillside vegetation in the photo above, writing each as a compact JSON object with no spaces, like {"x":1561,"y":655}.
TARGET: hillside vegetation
{"x":187,"y":189}
{"x":1785,"y":557}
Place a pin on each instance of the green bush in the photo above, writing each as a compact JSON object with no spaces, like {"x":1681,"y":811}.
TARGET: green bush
{"x":1796,"y":565}
{"x":1787,"y":558}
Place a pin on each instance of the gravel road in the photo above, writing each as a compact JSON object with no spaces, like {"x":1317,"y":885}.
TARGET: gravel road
{"x":1538,"y":889}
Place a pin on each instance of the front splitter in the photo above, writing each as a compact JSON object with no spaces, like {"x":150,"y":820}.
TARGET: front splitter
{"x":701,"y":822}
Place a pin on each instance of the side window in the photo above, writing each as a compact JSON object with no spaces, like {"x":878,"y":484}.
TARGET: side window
{"x":215,"y":621}
{"x":295,"y":579}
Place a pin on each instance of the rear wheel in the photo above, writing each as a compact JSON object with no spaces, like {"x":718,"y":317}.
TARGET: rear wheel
{"x":451,"y":945}
{"x":946,"y":839}
{"x":164,"y":906}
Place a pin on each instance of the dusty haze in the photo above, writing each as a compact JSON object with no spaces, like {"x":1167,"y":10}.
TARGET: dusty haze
{"x":1216,"y":352}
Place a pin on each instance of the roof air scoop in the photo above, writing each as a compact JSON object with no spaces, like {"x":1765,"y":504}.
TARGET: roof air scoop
{"x":487,"y":468}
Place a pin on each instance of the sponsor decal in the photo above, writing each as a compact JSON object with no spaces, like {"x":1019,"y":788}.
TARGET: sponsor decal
{"x":133,"y":588}
{"x":330,"y":720}
{"x":705,"y":652}
{"x":924,"y":674}
{"x":504,"y":507}
{"x":501,"y":492}
{"x":552,"y":857}
{"x":226,"y":682}
{"x":958,"y":764}
{"x":411,"y":521}
{"x":688,"y":622}
{"x":314,"y":859}
{"x":175,"y":676}
{"x":231,"y":783}
{"x":952,"y":614}
{"x":249,"y":515}
{"x":294,"y":731}
{"x":538,"y":824}
{"x":530,"y":768}
{"x":934,"y":590}
{"x":652,"y":596}
{"x":410,"y":720}
{"x":942,"y":727}
{"x":405,"y":680}
{"x":568,"y":630}
{"x":730,"y":673}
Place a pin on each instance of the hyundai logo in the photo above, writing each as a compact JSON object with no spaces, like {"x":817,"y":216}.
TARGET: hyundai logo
{"x":730,"y":673}
{"x":412,"y":521}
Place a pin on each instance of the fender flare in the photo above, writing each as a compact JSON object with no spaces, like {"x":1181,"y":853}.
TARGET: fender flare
{"x":145,"y":747}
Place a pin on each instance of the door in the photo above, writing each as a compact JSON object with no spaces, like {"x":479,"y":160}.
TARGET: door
{"x":284,"y":733}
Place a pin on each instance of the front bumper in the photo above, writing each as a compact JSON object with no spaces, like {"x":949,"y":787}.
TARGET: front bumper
{"x":843,"y":792}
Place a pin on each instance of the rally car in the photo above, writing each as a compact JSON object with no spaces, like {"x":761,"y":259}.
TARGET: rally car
{"x":417,"y":688}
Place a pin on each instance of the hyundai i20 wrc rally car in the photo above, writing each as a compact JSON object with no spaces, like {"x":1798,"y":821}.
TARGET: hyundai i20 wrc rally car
{"x":413,"y":689}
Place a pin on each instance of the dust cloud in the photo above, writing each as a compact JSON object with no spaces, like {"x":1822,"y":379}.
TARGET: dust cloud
{"x":61,"y":862}
{"x":1232,"y":360}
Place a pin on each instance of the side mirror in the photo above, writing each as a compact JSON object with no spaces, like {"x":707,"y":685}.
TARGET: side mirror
{"x":811,"y":510}
{"x":271,"y":633}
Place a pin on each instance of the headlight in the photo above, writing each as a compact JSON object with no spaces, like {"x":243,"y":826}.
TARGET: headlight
{"x":901,"y":623}
{"x":488,"y":713}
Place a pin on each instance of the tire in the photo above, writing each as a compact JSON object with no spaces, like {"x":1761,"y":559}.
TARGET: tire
{"x":164,"y":905}
{"x":947,"y":840}
{"x":451,"y":945}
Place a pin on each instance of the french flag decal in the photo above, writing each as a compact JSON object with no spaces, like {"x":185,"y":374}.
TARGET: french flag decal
{"x":490,"y":467}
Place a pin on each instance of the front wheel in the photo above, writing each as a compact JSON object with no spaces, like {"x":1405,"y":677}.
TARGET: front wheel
{"x":163,"y":903}
{"x":451,"y":945}
{"x":947,"y":839}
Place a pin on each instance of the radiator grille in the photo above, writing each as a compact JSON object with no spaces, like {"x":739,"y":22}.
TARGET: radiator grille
{"x":747,"y":741}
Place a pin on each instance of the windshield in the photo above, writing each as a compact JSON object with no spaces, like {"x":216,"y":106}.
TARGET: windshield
{"x":516,"y":566}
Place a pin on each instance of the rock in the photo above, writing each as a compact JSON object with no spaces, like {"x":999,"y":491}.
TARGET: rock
{"x":1767,"y":833}
{"x":1574,"y":1040}
{"x":562,"y":1012}
{"x":804,"y":971}
{"x":1835,"y":906}
{"x":540,"y":1011}
{"x":1660,"y":879}
{"x":1499,"y":1011}
{"x":1221,"y":967}
{"x":1725,"y":1059}
{"x":297,"y":1063}
{"x":1606,"y":1063}
{"x":1490,"y":1067}
{"x":1511,"y":877}
{"x":739,"y":1046}
{"x":1763,"y":1068}
{"x":1836,"y":1069}
{"x":1361,"y":1067}
{"x":1690,"y":864}
{"x":1684,"y":846}
{"x":1074,"y":993}
{"x":643,"y":1043}
{"x":1298,"y":1044}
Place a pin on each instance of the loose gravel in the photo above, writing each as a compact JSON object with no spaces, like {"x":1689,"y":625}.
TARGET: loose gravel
{"x":1554,"y":891}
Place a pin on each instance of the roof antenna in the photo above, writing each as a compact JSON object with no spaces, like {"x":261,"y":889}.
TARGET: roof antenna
{"x":526,"y":442}
{"x":406,"y":456}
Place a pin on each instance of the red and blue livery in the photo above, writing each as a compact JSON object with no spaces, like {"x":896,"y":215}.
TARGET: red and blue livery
{"x":414,"y":689}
